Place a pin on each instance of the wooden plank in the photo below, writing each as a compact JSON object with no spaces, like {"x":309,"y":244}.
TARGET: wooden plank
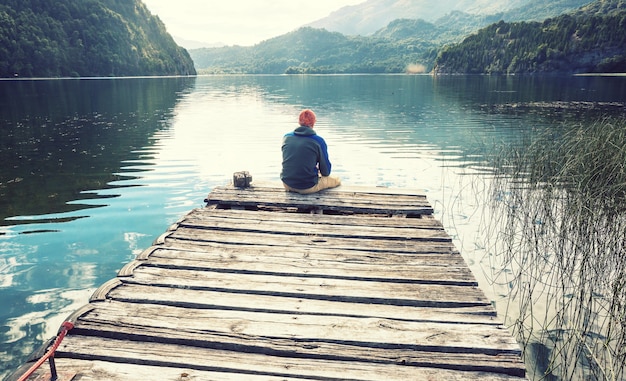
{"x":507,"y":363}
{"x":421,"y":255}
{"x":281,"y":330}
{"x":407,"y":294}
{"x":95,"y":370}
{"x":187,"y":242}
{"x":322,"y":230}
{"x":208,"y":216}
{"x":313,"y":256}
{"x":172,"y":356}
{"x":350,"y":202}
{"x":310,"y":256}
{"x":200,"y":236}
{"x":455,"y":276}
{"x":115,"y":370}
{"x":203,"y":299}
{"x":299,"y":264}
{"x":364,"y":220}
{"x":293,"y":201}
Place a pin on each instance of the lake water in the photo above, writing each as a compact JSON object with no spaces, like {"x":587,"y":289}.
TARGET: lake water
{"x":93,"y":170}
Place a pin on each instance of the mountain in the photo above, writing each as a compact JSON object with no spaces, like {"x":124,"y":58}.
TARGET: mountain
{"x":603,"y":8}
{"x":590,"y":39}
{"x":314,"y":51}
{"x":369,"y":17}
{"x":194,"y":44}
{"x":539,"y":10}
{"x":88,"y":38}
{"x":413,"y":45}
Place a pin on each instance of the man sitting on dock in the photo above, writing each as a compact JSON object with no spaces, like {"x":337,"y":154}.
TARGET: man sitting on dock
{"x":306,"y":167}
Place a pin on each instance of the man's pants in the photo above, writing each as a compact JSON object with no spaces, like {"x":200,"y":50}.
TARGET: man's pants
{"x":324,"y":182}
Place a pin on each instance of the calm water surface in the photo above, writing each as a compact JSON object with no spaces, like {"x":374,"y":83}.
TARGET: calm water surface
{"x":92,"y":171}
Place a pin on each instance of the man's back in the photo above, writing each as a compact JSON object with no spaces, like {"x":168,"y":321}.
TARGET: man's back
{"x":306,"y":166}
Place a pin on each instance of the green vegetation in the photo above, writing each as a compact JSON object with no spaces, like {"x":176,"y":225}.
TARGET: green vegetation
{"x":71,"y":38}
{"x":539,"y":10}
{"x":560,"y":210}
{"x":587,"y":41}
{"x":315,"y":51}
{"x":590,"y":39}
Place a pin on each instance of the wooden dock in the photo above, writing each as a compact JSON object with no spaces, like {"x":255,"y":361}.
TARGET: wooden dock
{"x":262,"y":284}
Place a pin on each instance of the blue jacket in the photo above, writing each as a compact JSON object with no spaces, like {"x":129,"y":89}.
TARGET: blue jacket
{"x":305,"y":157}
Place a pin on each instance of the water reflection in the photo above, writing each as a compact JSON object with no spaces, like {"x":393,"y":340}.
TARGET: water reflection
{"x":62,"y":138}
{"x":67,"y":147}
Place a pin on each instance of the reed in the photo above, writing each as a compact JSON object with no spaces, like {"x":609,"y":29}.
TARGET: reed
{"x":560,"y":242}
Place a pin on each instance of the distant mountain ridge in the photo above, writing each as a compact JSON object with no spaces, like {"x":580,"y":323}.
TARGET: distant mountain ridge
{"x":602,"y":8}
{"x":368,"y":17}
{"x":403,"y":45}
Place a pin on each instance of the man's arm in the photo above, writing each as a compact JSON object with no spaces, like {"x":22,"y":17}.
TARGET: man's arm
{"x":324,"y":163}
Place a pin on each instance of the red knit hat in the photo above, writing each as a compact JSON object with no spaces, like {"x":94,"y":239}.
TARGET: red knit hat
{"x":307,"y":118}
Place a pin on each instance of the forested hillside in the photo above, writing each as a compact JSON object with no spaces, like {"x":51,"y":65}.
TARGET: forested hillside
{"x":539,"y":10}
{"x":589,"y":40}
{"x":313,"y":51}
{"x":61,"y":38}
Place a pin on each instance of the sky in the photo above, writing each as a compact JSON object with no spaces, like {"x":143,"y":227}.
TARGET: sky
{"x":239,"y":22}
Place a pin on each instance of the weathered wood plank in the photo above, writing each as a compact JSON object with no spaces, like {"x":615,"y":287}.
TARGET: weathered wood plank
{"x":265,"y":329}
{"x":299,"y":264}
{"x":504,"y":362}
{"x":311,"y":256}
{"x":321,"y":230}
{"x":339,"y":243}
{"x":114,"y":370}
{"x":367,"y":292}
{"x":373,"y":196}
{"x":362,"y":220}
{"x":187,"y":242}
{"x":95,"y":370}
{"x":203,"y":299}
{"x":456,"y":276}
{"x":423,"y":254}
{"x":245,"y":364}
{"x":332,"y":201}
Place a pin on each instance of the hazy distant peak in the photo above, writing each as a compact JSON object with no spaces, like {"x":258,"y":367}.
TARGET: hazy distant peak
{"x":372,"y":15}
{"x":194,"y":44}
{"x":489,"y":7}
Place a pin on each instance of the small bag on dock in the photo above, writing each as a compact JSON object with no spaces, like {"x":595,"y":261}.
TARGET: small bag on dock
{"x":242,"y":179}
